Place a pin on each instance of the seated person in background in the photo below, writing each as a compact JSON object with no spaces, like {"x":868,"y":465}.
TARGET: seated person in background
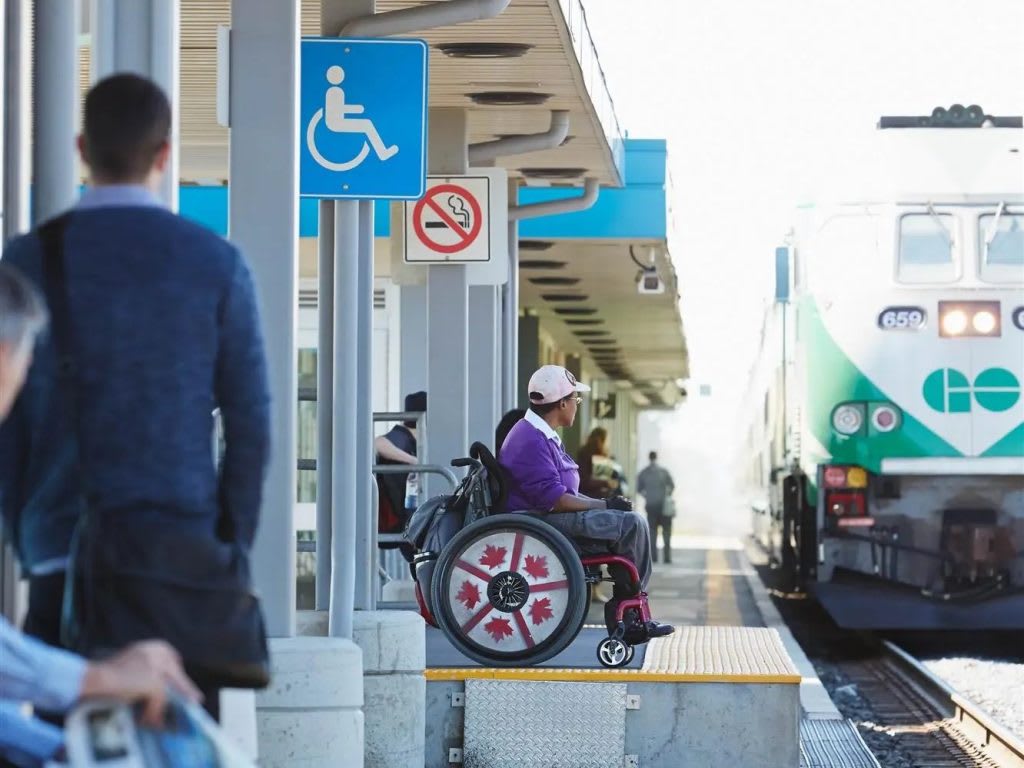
{"x":398,"y":492}
{"x":595,"y":468}
{"x":508,"y":421}
{"x":544,"y":480}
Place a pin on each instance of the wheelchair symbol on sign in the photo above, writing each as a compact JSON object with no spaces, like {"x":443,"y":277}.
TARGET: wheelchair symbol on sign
{"x":335,"y":115}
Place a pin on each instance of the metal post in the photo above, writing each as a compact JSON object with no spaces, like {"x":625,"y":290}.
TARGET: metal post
{"x":448,"y":314}
{"x":510,"y":316}
{"x":485,"y":352}
{"x":324,"y":405}
{"x":142,"y":37}
{"x":366,"y":520}
{"x":344,"y":494}
{"x":15,"y":120}
{"x":264,"y":224}
{"x":334,"y":14}
{"x":55,"y":67}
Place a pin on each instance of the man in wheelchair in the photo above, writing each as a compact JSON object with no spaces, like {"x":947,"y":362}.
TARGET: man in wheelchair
{"x":543,"y":480}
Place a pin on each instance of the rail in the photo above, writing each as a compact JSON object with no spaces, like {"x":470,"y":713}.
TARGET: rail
{"x":992,"y":739}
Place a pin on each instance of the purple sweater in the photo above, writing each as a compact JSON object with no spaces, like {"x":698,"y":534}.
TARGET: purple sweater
{"x":537,"y":468}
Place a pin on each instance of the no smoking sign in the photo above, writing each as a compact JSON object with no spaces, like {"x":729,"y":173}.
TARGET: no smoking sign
{"x":450,"y":223}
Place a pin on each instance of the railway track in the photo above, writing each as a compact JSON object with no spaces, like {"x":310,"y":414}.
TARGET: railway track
{"x":919,"y":720}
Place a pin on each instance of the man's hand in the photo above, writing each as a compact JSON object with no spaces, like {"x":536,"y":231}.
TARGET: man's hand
{"x":620,"y":503}
{"x":141,"y":672}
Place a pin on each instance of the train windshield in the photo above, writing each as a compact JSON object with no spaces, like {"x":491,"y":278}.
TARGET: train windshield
{"x":1001,"y":235}
{"x":926,"y":253}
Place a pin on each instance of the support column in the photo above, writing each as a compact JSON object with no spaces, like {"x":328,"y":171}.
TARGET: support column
{"x":366,"y":513}
{"x":264,"y":224}
{"x":413,"y":367}
{"x":16,"y":123}
{"x":142,"y":37}
{"x":447,"y":315}
{"x":510,"y":312}
{"x":485,"y":354}
{"x":55,"y":116}
{"x":528,"y":356}
{"x":324,"y":404}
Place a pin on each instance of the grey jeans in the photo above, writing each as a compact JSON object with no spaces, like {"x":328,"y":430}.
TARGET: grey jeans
{"x":604,"y":531}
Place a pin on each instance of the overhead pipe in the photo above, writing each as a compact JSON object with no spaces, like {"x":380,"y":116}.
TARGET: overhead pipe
{"x":591,"y":189}
{"x":422,"y":17}
{"x":521,"y":144}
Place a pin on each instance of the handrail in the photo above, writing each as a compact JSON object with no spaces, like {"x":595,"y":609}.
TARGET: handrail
{"x":309,"y":465}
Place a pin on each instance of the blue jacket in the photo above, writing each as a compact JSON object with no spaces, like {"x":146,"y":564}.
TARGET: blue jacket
{"x":165,"y":330}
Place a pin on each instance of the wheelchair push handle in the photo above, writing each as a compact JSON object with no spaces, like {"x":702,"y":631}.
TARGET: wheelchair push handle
{"x":466,"y":462}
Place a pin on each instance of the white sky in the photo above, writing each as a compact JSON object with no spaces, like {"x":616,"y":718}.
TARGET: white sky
{"x":762,"y":103}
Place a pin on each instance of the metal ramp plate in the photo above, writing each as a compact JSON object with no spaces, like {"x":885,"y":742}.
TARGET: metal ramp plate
{"x":833,"y":743}
{"x":511,"y":724}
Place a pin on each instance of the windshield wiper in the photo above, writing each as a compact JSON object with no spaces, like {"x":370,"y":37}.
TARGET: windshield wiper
{"x":994,"y":230}
{"x":938,"y":220}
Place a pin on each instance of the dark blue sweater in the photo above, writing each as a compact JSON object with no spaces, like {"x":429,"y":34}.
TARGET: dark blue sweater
{"x":165,"y":329}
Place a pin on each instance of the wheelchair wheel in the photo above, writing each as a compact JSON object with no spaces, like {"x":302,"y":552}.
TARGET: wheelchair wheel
{"x":509,"y":590}
{"x":613,"y":652}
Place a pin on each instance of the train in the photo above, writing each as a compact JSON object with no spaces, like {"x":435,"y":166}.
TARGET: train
{"x":884,"y":441}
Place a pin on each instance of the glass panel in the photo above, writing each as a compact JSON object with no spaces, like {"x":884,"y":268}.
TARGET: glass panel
{"x":926,"y":249}
{"x":1002,"y":247}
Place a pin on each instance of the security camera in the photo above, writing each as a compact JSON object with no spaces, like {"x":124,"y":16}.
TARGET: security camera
{"x":650,"y":282}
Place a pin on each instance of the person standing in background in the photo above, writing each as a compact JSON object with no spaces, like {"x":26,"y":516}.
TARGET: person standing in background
{"x":655,"y":484}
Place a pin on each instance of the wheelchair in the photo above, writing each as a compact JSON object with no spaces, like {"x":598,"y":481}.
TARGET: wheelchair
{"x":508,"y":589}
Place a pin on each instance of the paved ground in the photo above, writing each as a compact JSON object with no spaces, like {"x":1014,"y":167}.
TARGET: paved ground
{"x":705,"y":585}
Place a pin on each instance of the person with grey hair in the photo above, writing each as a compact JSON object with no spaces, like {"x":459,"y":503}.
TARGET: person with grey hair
{"x":22,"y":318}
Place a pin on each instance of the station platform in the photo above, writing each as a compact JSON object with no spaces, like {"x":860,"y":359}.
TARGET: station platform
{"x":730,"y":687}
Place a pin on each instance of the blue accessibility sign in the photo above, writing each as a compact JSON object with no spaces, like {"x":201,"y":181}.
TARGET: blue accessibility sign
{"x":363,"y":107}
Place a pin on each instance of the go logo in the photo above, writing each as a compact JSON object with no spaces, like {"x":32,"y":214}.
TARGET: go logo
{"x":947,"y":390}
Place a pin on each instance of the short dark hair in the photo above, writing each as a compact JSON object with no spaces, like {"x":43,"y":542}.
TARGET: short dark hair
{"x":127,"y":119}
{"x":22,"y":309}
{"x":415,"y":402}
{"x":653,"y":455}
{"x":542,"y":409}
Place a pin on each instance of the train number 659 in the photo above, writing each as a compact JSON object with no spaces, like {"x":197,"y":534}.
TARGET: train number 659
{"x":901,"y":318}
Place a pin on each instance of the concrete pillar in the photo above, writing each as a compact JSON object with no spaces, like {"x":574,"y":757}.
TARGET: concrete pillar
{"x":413,"y":350}
{"x":263,"y":222}
{"x":528,"y":356}
{"x":311,"y":716}
{"x":485,"y":356}
{"x":142,"y":37}
{"x":394,"y":688}
{"x":447,"y":315}
{"x":55,"y":117}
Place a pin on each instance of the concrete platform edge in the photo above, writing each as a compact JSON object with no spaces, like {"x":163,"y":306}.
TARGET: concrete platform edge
{"x":814,"y":699}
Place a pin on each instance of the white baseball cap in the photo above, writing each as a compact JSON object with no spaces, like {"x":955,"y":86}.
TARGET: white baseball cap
{"x":551,"y":383}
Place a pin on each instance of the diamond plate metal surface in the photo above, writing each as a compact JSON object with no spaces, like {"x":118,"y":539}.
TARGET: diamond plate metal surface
{"x":833,"y":744}
{"x":511,"y":724}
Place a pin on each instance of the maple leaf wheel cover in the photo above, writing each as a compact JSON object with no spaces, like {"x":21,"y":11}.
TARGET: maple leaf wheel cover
{"x":509,"y":590}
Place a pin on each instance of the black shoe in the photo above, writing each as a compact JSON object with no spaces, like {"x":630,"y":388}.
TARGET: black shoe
{"x":657,"y":629}
{"x":638,"y":633}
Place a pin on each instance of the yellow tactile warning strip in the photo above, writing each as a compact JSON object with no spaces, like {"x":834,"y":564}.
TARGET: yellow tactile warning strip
{"x":726,"y":652}
{"x":691,"y":655}
{"x":720,"y":591}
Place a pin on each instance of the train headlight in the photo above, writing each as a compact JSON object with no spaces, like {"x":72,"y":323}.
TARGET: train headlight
{"x":885,"y":418}
{"x":984,"y":322}
{"x":954,"y":322}
{"x":848,"y":419}
{"x":969,"y":318}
